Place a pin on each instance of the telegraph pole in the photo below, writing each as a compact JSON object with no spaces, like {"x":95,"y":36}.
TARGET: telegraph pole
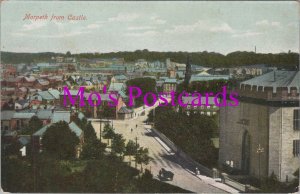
{"x":100,"y":130}
{"x":136,"y":151}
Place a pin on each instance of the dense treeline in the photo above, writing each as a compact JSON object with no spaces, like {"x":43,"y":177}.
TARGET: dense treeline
{"x":192,"y":133}
{"x":57,"y":170}
{"x":283,"y":60}
{"x":145,"y":84}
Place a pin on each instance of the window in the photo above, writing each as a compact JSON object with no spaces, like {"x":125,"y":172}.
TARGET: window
{"x":296,"y":119}
{"x":296,"y":147}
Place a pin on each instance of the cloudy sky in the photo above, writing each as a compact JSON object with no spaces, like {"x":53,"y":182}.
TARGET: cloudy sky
{"x":157,"y":26}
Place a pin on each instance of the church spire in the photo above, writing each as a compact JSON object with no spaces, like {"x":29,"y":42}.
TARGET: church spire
{"x":188,"y":71}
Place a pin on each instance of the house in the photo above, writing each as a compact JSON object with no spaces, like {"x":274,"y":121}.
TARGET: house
{"x":21,"y":119}
{"x":47,"y":97}
{"x":6,"y":117}
{"x":260,"y":136}
{"x":21,"y":104}
{"x":45,"y":115}
{"x":104,"y":109}
{"x":169,"y":85}
{"x":42,"y":84}
{"x":38,"y":136}
{"x":125,"y":113}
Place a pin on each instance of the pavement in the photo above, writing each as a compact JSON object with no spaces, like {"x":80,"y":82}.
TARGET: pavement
{"x":164,"y":157}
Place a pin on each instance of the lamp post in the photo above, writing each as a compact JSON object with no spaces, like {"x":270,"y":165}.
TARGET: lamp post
{"x":259,"y":150}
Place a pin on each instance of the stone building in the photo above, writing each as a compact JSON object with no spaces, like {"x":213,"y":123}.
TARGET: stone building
{"x":260,"y":136}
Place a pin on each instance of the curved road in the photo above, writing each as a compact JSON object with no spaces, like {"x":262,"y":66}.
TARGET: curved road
{"x":162,"y":157}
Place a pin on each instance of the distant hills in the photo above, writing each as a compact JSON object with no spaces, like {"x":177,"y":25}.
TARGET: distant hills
{"x":288,"y":60}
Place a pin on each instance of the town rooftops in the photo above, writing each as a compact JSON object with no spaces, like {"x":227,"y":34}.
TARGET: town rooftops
{"x":54,"y":93}
{"x":276,"y":79}
{"x":46,"y":95}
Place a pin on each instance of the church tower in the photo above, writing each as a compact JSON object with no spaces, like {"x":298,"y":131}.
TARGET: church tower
{"x":188,"y":71}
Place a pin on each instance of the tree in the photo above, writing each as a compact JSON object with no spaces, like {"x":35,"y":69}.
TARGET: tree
{"x":59,"y":141}
{"x":89,"y":133}
{"x":142,"y":157}
{"x":34,"y":124}
{"x":108,"y":132}
{"x":68,"y":54}
{"x":145,"y":84}
{"x":118,"y":144}
{"x":106,"y":112}
{"x":93,"y":149}
{"x":131,"y":148}
{"x":11,"y":149}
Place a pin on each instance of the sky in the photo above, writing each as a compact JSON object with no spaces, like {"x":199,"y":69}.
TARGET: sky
{"x":191,"y":26}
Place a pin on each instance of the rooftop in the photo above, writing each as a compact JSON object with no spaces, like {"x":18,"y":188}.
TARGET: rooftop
{"x":274,"y":79}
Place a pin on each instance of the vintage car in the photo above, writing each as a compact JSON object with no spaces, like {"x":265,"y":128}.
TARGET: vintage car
{"x":165,"y":174}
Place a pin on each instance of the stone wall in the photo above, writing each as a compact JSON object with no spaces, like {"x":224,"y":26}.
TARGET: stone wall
{"x":289,"y":162}
{"x":234,"y":123}
{"x":269,"y":127}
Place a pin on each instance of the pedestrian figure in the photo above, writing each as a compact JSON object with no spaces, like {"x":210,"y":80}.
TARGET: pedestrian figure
{"x":197,"y":171}
{"x":131,"y":130}
{"x":160,"y":173}
{"x":136,"y":125}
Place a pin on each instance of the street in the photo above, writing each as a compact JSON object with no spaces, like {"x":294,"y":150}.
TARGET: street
{"x":161,"y":154}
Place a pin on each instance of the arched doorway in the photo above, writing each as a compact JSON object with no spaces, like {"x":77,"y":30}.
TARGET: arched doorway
{"x":246,"y":152}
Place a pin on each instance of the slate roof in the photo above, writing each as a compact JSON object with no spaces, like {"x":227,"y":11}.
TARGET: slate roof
{"x":278,"y":78}
{"x":7,"y":114}
{"x":125,"y":110}
{"x":44,"y":114}
{"x":75,"y":129}
{"x":43,"y":82}
{"x":173,"y":81}
{"x":23,"y":115}
{"x":54,"y":93}
{"x":208,"y":77}
{"x":72,"y":126}
{"x":116,"y":86}
{"x":24,"y":140}
{"x":120,"y":77}
{"x":61,"y":116}
{"x":81,"y":115}
{"x":41,"y":131}
{"x":46,"y":95}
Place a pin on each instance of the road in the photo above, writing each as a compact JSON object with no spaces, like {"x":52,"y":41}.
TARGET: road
{"x":162,"y":158}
